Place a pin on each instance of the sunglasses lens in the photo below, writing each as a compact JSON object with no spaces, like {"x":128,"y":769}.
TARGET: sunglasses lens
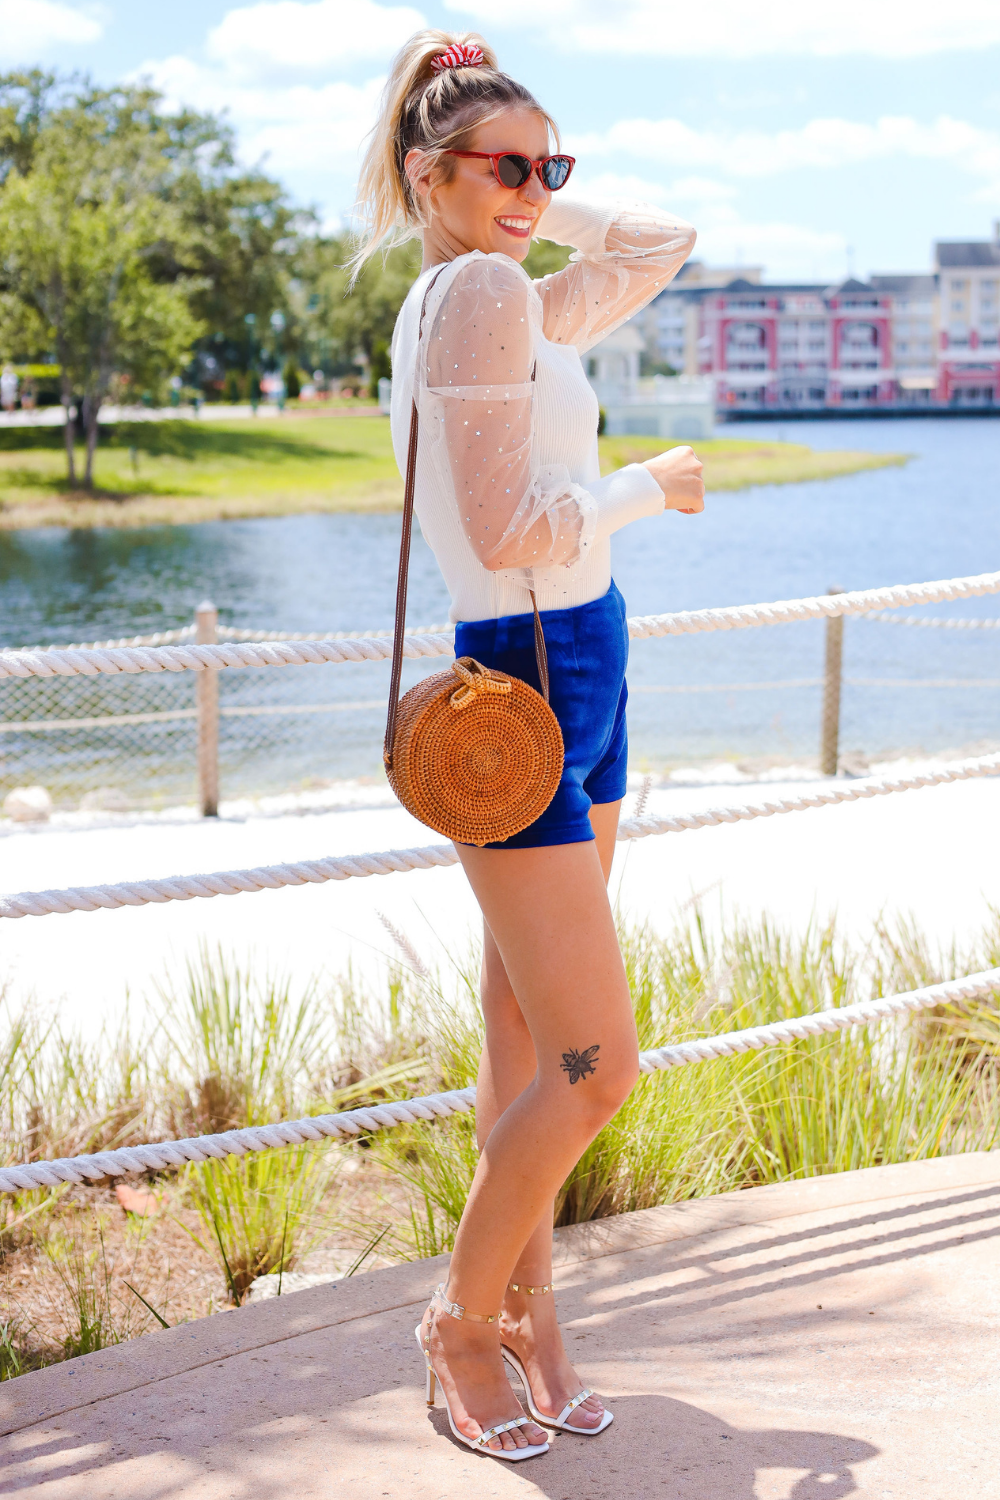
{"x":555,"y":171}
{"x":513,"y":170}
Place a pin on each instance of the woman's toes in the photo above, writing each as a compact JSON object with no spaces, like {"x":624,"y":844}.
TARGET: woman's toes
{"x":588,"y":1413}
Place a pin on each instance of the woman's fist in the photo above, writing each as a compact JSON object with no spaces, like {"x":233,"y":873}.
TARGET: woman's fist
{"x":678,"y":473}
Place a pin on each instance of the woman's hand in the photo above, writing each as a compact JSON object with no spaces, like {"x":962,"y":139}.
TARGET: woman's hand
{"x":678,"y":473}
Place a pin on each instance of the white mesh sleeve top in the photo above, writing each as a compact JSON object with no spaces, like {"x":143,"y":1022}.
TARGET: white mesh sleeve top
{"x":508,"y":486}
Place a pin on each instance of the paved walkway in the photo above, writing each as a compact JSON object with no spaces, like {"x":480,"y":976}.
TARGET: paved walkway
{"x":801,"y":1342}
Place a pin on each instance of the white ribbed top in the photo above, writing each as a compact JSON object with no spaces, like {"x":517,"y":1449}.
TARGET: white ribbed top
{"x":508,"y":486}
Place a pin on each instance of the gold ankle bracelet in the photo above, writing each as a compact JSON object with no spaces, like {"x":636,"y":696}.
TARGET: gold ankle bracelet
{"x":532,"y":1291}
{"x":455,"y":1310}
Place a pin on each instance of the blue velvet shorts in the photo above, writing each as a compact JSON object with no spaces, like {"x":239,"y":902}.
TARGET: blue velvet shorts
{"x":588,"y":652}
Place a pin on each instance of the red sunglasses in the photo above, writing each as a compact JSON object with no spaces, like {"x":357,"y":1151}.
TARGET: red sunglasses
{"x":512,"y":170}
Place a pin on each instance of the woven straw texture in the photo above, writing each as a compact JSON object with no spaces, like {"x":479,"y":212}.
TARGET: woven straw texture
{"x":476,"y":755}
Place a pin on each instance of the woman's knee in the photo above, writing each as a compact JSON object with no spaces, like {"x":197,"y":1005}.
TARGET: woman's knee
{"x":596,"y":1082}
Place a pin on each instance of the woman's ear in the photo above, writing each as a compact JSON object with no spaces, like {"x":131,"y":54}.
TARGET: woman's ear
{"x":418,"y":168}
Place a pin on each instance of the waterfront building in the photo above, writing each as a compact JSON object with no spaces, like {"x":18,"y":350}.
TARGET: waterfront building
{"x":968,"y":357}
{"x":657,"y":405}
{"x":914,"y":317}
{"x":896,"y":342}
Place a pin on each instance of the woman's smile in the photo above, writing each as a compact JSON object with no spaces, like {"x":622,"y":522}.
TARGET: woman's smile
{"x":516,"y":225}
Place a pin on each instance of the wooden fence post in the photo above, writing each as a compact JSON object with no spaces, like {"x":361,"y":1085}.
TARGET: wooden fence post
{"x":830,"y":728}
{"x":206,"y":619}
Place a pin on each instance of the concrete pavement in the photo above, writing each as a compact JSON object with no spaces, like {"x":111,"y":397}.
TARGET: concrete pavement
{"x":821,"y":1339}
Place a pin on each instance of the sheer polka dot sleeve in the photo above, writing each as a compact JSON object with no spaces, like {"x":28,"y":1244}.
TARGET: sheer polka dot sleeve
{"x":475,"y":392}
{"x":623,"y":255}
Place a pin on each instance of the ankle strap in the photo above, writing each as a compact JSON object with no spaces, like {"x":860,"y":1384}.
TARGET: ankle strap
{"x":532,"y":1291}
{"x":455,"y":1310}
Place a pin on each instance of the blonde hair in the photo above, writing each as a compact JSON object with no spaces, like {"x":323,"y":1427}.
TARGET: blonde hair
{"x":430,"y":112}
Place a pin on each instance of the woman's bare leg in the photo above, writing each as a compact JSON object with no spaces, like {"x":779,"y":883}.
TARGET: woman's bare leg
{"x":548,"y":913}
{"x":529,"y":1323}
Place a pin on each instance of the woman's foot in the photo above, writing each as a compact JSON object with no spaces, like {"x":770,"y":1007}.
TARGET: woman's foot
{"x":467,"y":1363}
{"x":528,"y":1325}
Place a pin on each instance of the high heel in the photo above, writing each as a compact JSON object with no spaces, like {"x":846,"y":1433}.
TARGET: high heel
{"x":562,"y":1420}
{"x":481,"y":1443}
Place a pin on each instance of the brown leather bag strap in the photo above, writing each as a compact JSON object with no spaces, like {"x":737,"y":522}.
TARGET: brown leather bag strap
{"x":541,"y":655}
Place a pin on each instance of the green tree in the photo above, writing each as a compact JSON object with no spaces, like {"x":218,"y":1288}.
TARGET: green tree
{"x":26,"y":99}
{"x":84,"y":213}
{"x":338,"y":324}
{"x":238,"y":251}
{"x":332,"y":319}
{"x":293,"y":385}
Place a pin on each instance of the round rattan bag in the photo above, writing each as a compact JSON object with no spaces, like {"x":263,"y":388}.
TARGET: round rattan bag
{"x":475,"y":755}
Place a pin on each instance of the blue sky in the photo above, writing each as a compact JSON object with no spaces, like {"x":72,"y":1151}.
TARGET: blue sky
{"x":806,"y":143}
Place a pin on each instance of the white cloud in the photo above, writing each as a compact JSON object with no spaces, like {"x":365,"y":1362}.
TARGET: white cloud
{"x":788,"y":252}
{"x":31,"y":28}
{"x":296,"y":38}
{"x":731,"y":28}
{"x":298,"y":127}
{"x":817,"y":145}
{"x":262,"y":66}
{"x":629,"y":185}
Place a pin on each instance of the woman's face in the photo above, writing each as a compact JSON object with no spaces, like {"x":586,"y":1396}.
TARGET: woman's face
{"x":473,"y":211}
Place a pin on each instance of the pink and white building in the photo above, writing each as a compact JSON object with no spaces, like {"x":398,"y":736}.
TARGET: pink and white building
{"x":924,"y":341}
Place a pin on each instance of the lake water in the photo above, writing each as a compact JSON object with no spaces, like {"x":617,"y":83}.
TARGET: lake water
{"x":934,"y":518}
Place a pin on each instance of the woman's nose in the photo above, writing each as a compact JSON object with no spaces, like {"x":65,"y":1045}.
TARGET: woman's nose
{"x":534,"y":190}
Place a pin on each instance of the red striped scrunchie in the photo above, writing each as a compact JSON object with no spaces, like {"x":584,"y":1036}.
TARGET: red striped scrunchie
{"x":458,"y":56}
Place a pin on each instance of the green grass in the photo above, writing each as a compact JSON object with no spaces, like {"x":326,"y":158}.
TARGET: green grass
{"x":900,"y":1091}
{"x":229,"y":1047}
{"x":736,"y":463}
{"x":154,"y":473}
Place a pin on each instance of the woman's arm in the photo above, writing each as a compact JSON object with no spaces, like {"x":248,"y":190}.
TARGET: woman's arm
{"x":475,"y":390}
{"x":625,"y":254}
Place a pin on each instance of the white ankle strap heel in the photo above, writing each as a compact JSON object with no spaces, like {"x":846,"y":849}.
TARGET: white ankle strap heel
{"x":562,"y":1421}
{"x":480,"y":1444}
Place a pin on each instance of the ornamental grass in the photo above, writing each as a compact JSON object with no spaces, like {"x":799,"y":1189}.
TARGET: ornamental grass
{"x":224,"y":1046}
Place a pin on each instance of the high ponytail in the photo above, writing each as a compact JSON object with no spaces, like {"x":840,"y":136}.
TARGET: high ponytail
{"x":431,"y":111}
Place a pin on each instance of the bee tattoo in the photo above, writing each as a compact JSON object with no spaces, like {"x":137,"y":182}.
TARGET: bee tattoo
{"x":580,"y":1064}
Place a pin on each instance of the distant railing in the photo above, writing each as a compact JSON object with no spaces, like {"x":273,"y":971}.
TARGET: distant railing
{"x":205,"y":646}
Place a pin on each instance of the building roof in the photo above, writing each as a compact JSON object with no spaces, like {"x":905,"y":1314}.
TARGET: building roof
{"x":905,"y":284}
{"x":954,"y":253}
{"x":852,"y":284}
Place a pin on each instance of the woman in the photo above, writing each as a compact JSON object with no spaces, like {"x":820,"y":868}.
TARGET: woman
{"x":509,"y":497}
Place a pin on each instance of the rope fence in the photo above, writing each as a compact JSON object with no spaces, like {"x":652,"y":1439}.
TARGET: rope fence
{"x":926,"y":623}
{"x":234,"y":633}
{"x":280,"y":652}
{"x":433,"y":856}
{"x":351,"y":1123}
{"x":188,"y":650}
{"x":114,"y":724}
